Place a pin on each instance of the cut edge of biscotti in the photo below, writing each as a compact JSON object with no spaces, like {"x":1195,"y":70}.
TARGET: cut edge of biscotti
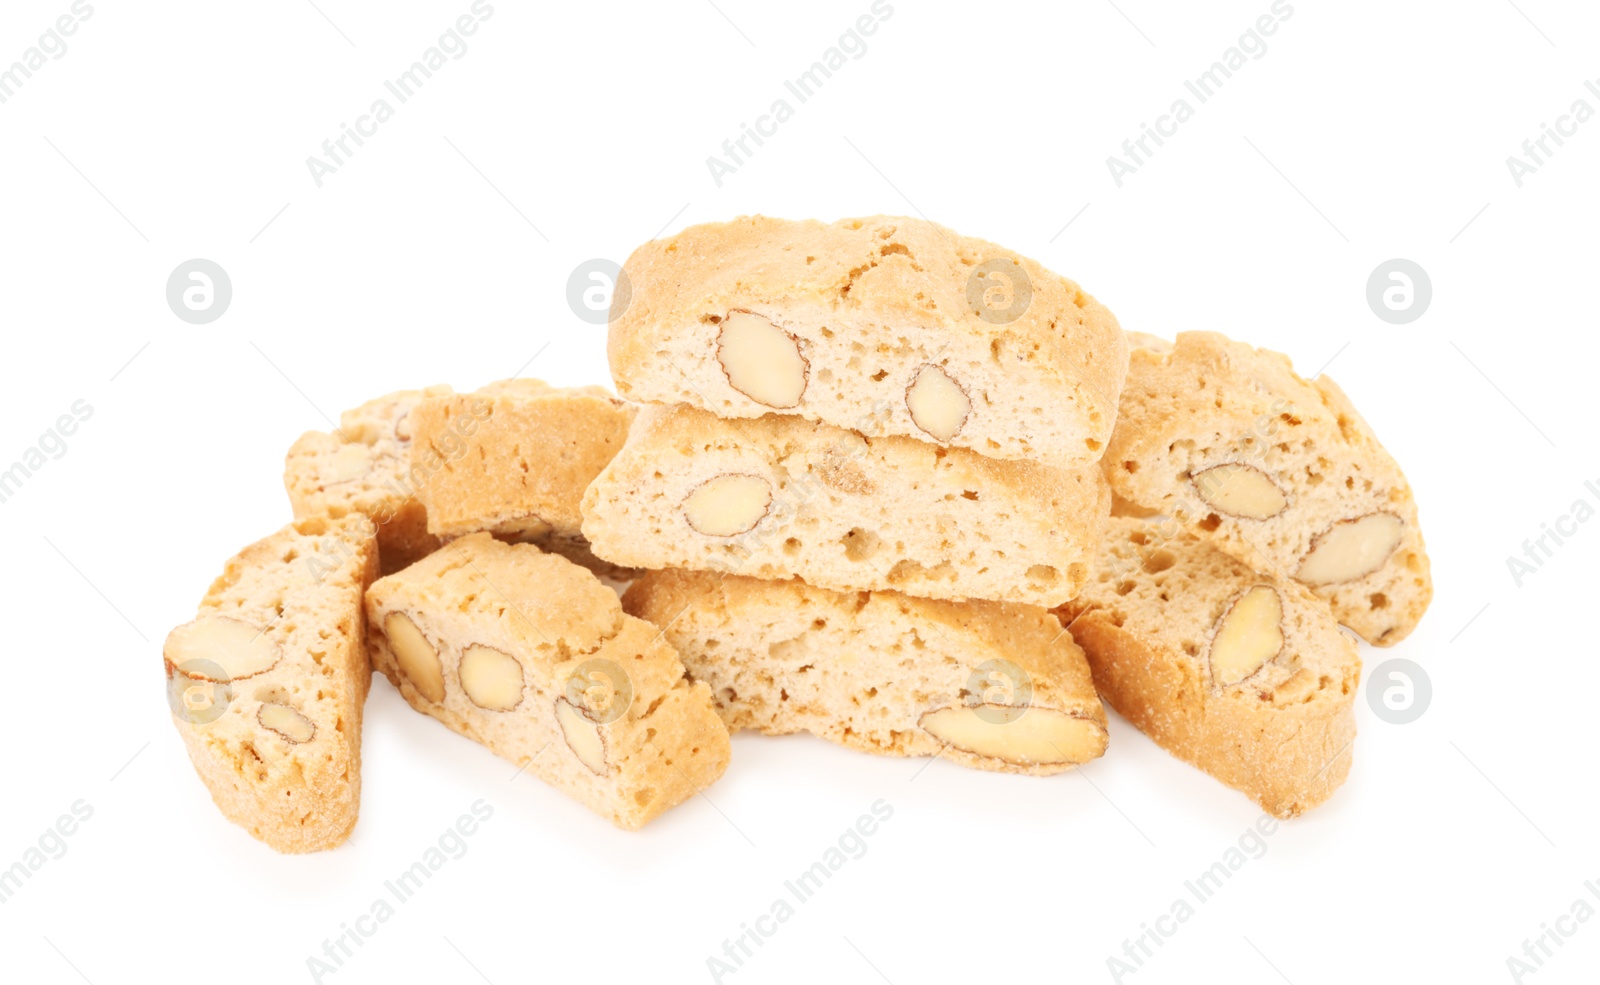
{"x":513,"y":458}
{"x":985,"y":685}
{"x":266,"y":685}
{"x":532,"y":656}
{"x":885,"y":325}
{"x":364,"y":466}
{"x":779,"y":496}
{"x":1279,"y":471}
{"x":1242,"y":674}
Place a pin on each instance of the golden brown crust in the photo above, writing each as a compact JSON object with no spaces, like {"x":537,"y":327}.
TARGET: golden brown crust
{"x":1282,"y":737}
{"x":861,"y":669}
{"x":561,"y":626}
{"x":302,"y":588}
{"x":1205,"y":401}
{"x":514,"y":457}
{"x":870,"y":302}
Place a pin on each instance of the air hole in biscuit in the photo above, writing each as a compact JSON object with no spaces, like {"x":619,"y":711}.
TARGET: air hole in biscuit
{"x":859,"y":544}
{"x":1041,"y":575}
{"x":1378,"y":600}
{"x":1210,"y":523}
{"x":1158,"y":561}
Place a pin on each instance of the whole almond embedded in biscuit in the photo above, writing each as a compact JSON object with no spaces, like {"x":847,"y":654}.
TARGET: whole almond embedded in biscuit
{"x":237,"y":648}
{"x":287,"y":722}
{"x":761,"y":360}
{"x":492,"y":678}
{"x":416,"y":657}
{"x":938,"y":404}
{"x":728,"y":504}
{"x":1351,"y":549}
{"x":1247,"y":637}
{"x":1240,"y":490}
{"x":1018,"y":735}
{"x":582,"y":735}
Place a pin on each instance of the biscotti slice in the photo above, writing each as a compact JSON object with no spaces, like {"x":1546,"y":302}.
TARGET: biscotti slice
{"x":365,"y":467}
{"x":1245,"y":675}
{"x":1279,"y":471}
{"x":267,"y":684}
{"x":781,"y":497}
{"x":884,"y":325}
{"x":515,"y":457}
{"x":532,"y":656}
{"x":990,"y":685}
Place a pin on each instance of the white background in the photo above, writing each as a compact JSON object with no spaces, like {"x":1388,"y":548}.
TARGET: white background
{"x":440,"y":253}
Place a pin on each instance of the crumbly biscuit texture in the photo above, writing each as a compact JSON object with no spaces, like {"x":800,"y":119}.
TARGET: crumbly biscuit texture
{"x":532,"y":656}
{"x":1243,"y":675}
{"x":1279,"y":471}
{"x":268,"y":682}
{"x":515,"y":457}
{"x":779,"y":497}
{"x":987,"y":685}
{"x":884,"y":325}
{"x":365,"y":467}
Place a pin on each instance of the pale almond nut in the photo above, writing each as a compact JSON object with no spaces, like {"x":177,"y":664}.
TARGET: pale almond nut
{"x":416,"y":657}
{"x":1247,"y":637}
{"x":491,"y":678}
{"x":1351,"y":549}
{"x":237,"y":648}
{"x":1021,"y":736}
{"x":938,"y":404}
{"x":1240,"y":490}
{"x":761,"y":360}
{"x":287,"y":722}
{"x":349,"y":462}
{"x":728,"y":504}
{"x":583,"y":736}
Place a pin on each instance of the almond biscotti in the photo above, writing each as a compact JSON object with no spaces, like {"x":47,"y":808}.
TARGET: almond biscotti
{"x":1279,"y":471}
{"x":365,"y":467}
{"x":884,"y":325}
{"x":532,"y":656}
{"x":1244,"y":675}
{"x":991,"y":686}
{"x":267,"y":683}
{"x":780,"y":497}
{"x":514,"y":458}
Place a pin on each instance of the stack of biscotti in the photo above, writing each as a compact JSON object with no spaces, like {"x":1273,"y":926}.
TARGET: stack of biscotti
{"x":525,"y":652}
{"x":477,"y":626}
{"x":866,"y":468}
{"x":1257,"y":512}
